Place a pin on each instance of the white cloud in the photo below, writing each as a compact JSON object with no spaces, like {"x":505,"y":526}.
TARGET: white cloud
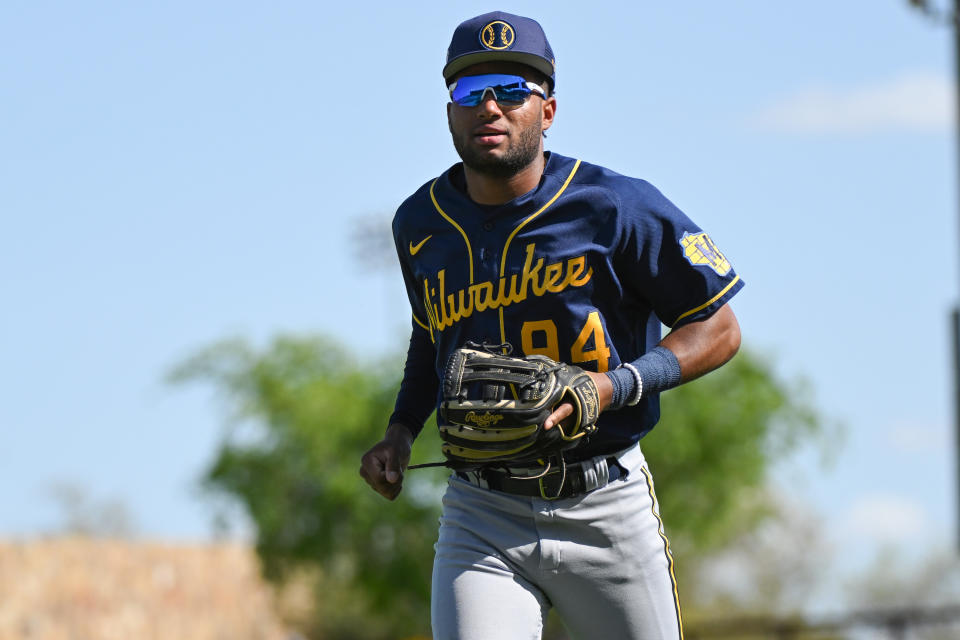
{"x":916,"y":101}
{"x":885,"y":519}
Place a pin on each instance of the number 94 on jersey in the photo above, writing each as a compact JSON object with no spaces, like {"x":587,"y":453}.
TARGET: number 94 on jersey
{"x":540,"y":337}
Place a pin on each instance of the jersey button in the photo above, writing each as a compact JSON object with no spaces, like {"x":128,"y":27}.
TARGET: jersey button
{"x":488,"y":226}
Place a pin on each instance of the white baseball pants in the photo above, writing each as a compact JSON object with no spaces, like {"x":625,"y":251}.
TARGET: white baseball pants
{"x":601,"y":559}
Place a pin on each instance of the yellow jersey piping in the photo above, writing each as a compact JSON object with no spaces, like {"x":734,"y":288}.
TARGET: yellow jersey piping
{"x":655,"y":508}
{"x":708,"y":302}
{"x":506,"y":246}
{"x":458,"y":227}
{"x":417,"y":320}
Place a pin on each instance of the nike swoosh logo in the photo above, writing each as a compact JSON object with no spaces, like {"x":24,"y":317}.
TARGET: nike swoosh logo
{"x":414,"y":248}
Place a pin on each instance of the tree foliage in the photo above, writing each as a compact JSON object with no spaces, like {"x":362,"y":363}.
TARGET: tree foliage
{"x":716,"y":442}
{"x":302,"y":411}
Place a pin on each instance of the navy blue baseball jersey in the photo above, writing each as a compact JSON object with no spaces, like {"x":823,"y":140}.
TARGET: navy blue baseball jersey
{"x":583,"y":269}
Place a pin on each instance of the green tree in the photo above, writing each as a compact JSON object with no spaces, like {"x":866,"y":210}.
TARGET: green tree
{"x":717,"y":440}
{"x":302,"y":411}
{"x":300,"y":414}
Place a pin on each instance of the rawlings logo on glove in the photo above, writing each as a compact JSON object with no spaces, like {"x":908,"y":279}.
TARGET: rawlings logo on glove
{"x":485,"y":420}
{"x":494,"y":407}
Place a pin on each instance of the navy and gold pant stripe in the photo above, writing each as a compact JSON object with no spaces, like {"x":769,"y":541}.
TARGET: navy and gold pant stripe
{"x":666,"y":547}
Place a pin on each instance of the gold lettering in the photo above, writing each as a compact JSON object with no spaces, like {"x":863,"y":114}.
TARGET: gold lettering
{"x":483,"y":295}
{"x":482,"y":420}
{"x":430,"y":307}
{"x":444,"y":319}
{"x":444,"y":310}
{"x":550,"y":276}
{"x":454,"y":312}
{"x":513,"y":296}
{"x":466,"y":306}
{"x":503,"y":296}
{"x":430,"y":325}
{"x":530,"y":276}
{"x":575,"y":267}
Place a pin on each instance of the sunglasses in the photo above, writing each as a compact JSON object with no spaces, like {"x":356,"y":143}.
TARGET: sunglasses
{"x":507,"y":90}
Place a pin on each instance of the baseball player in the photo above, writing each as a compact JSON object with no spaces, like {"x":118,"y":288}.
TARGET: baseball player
{"x":570,"y":260}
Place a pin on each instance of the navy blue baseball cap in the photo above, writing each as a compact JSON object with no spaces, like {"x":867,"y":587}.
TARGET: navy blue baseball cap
{"x":500,"y":36}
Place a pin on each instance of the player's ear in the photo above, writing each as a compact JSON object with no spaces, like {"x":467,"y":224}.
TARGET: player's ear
{"x":548,"y":110}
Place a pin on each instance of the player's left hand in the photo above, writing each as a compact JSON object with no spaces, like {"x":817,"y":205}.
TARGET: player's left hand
{"x":565,"y":409}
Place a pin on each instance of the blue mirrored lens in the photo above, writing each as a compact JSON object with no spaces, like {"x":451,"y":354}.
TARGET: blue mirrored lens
{"x":509,"y":89}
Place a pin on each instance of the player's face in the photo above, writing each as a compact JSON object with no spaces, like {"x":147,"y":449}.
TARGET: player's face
{"x":495,"y":139}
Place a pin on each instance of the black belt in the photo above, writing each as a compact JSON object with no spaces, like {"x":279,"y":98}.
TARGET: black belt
{"x":557,"y":483}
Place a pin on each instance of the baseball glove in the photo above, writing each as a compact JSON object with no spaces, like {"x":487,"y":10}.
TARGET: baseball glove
{"x":494,"y":407}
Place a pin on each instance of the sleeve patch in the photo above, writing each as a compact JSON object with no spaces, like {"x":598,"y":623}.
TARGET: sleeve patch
{"x":699,"y":250}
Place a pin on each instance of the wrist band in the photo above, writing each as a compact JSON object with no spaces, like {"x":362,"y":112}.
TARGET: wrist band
{"x":659,"y":370}
{"x":619,"y":385}
{"x":653,"y":372}
{"x":633,"y":400}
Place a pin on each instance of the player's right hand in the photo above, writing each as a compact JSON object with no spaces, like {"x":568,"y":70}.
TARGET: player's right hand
{"x":383,"y":465}
{"x":565,"y":409}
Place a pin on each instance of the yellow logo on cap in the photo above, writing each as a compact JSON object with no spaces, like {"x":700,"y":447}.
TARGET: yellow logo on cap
{"x":497,"y":35}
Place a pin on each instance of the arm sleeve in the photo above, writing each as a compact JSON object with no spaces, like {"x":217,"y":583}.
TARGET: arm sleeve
{"x":417,"y":397}
{"x":420,"y":386}
{"x":670,"y":262}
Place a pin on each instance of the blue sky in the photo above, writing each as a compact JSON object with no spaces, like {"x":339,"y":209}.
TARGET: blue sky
{"x":175,"y":173}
